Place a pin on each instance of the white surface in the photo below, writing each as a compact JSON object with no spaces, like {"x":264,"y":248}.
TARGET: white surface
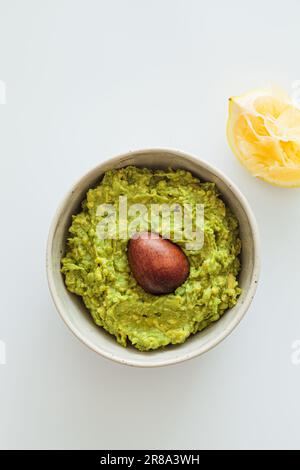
{"x":86,"y":80}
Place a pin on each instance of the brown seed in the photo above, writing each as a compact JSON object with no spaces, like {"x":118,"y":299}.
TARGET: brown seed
{"x":157,"y":264}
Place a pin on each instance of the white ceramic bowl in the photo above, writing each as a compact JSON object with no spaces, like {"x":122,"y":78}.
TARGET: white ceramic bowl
{"x":71,"y":308}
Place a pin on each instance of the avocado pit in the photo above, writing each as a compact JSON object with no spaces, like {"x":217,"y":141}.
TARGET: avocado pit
{"x":158,"y":265}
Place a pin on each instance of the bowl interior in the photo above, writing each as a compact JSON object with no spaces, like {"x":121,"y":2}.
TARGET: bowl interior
{"x":76,"y":315}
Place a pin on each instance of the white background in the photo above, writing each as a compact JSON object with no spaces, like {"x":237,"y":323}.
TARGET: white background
{"x":87,"y":80}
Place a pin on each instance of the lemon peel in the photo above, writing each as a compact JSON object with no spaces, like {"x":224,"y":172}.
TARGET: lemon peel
{"x":263,"y":131}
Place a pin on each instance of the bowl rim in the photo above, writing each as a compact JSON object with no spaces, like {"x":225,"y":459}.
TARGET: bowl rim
{"x":242,"y":308}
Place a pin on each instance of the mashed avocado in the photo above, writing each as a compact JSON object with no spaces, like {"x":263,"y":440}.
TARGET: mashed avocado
{"x":98,"y":270}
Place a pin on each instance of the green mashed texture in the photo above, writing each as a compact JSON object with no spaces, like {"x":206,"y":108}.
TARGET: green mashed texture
{"x":98,"y":270}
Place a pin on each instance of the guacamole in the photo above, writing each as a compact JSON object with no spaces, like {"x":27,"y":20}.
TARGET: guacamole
{"x":97,"y":269}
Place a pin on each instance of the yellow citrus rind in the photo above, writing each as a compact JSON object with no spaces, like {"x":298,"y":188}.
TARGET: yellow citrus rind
{"x":263,"y":131}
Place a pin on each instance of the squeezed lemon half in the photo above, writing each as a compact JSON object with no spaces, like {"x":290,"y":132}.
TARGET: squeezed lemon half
{"x":263,"y":131}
